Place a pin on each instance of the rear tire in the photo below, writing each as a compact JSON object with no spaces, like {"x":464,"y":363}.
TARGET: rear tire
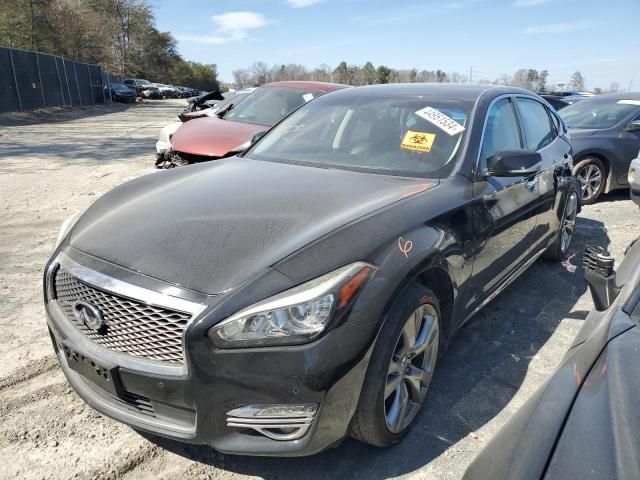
{"x":558,"y":249}
{"x":401,"y":368}
{"x":592,"y":176}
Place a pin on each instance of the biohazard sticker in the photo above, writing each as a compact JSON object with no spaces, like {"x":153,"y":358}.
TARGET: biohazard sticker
{"x":440,"y":120}
{"x":418,"y":141}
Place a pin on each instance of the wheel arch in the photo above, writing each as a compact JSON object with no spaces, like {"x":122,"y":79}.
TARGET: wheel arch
{"x":603,"y":157}
{"x":437,"y":279}
{"x":433,"y":273}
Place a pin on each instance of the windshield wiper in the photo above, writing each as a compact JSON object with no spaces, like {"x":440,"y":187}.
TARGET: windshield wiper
{"x":224,"y":111}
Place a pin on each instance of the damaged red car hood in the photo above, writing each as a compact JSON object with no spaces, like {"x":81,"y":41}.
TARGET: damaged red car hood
{"x":212,"y":136}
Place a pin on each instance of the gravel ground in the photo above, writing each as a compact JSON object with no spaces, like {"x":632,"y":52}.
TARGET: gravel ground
{"x":53,"y":166}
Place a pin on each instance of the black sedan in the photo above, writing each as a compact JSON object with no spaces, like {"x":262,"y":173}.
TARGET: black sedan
{"x":120,"y":93}
{"x":583,"y":422}
{"x":605,"y":135}
{"x":276,"y":303}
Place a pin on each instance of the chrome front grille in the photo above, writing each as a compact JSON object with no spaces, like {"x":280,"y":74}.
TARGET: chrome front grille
{"x":132,"y":327}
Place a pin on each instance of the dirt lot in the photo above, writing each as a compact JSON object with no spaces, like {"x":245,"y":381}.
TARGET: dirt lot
{"x":53,"y":167}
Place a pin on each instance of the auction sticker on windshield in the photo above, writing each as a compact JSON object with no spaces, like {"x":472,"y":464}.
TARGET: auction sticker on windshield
{"x":439,"y":119}
{"x":418,"y":141}
{"x":307,"y":97}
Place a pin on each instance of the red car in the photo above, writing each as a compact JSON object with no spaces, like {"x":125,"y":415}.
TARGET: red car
{"x":232,"y":129}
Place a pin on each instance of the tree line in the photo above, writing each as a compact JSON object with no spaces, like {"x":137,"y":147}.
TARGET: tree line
{"x":368,"y":74}
{"x":120,"y":35}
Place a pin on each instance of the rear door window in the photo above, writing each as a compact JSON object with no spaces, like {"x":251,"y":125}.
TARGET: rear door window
{"x":538,"y":127}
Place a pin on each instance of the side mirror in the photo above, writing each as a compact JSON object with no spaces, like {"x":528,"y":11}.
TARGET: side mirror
{"x":633,"y":126}
{"x":514,"y":163}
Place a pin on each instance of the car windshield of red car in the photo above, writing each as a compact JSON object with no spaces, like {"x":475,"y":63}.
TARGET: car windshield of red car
{"x":268,"y":105}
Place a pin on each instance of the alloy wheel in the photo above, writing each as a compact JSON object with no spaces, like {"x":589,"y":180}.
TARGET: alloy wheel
{"x":569,"y":222}
{"x":411,"y":368}
{"x":590,"y":177}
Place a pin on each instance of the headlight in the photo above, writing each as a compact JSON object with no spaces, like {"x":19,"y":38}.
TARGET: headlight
{"x":66,"y":226}
{"x":295,"y":316}
{"x":632,"y":176}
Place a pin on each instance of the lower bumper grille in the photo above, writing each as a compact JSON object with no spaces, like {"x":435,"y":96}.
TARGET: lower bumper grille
{"x":278,"y":422}
{"x":132,"y":327}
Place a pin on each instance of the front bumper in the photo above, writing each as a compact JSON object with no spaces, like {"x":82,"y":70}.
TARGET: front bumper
{"x":190,"y":402}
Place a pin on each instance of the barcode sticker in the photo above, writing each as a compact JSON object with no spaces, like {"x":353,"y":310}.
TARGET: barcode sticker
{"x":440,"y":120}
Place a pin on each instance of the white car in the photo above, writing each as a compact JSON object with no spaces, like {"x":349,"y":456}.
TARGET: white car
{"x":634,"y":179}
{"x":164,"y":141}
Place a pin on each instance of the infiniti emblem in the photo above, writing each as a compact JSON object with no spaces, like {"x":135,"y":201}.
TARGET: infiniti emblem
{"x":89,"y":315}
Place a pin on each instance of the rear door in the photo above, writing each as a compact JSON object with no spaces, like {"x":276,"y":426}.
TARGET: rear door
{"x":542,"y":135}
{"x":505,"y":208}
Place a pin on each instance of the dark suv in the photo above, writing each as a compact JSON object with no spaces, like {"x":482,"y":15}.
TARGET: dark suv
{"x":605,"y":136}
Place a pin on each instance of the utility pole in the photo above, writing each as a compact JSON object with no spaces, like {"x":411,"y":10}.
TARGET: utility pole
{"x":471,"y":74}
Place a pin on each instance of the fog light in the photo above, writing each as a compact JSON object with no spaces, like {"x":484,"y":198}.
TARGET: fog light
{"x":278,"y":422}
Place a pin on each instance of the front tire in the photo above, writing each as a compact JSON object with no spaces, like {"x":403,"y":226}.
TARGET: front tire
{"x":591,"y":174}
{"x":401,"y":368}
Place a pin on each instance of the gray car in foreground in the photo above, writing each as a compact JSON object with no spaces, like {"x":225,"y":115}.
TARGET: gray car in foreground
{"x":605,"y":136}
{"x":583,"y":422}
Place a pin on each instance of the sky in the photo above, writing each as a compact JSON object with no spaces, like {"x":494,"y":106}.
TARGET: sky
{"x":601,"y":39}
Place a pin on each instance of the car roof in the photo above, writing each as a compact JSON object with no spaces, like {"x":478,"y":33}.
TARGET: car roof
{"x":308,"y":85}
{"x":443,"y":90}
{"x":613,"y":97}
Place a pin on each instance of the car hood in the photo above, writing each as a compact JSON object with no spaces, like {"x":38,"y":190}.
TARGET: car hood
{"x":210,"y":227}
{"x":212,"y":136}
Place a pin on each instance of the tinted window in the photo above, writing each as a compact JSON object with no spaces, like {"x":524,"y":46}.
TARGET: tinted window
{"x":536,"y":122}
{"x":268,"y":105}
{"x":597,"y":113}
{"x":501,"y":131}
{"x":387,"y":135}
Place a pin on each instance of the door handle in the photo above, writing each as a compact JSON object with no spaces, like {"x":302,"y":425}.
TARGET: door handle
{"x":531,"y":183}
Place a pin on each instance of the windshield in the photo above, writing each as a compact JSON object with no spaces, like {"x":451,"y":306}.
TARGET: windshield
{"x":119,"y":86}
{"x":144,"y":82}
{"x":222,"y":104}
{"x":596,"y":113}
{"x":268,"y":105}
{"x":380,"y":135}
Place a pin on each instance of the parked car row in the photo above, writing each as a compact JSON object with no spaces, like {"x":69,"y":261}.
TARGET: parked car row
{"x":119,"y":92}
{"x":277,"y":301}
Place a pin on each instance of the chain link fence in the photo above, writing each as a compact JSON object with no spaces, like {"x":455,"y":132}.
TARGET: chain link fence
{"x":31,"y":80}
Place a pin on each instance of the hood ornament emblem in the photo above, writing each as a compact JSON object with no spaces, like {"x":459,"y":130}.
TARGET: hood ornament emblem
{"x":90,"y":315}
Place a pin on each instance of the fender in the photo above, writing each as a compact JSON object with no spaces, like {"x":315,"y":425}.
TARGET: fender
{"x":416,"y":251}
